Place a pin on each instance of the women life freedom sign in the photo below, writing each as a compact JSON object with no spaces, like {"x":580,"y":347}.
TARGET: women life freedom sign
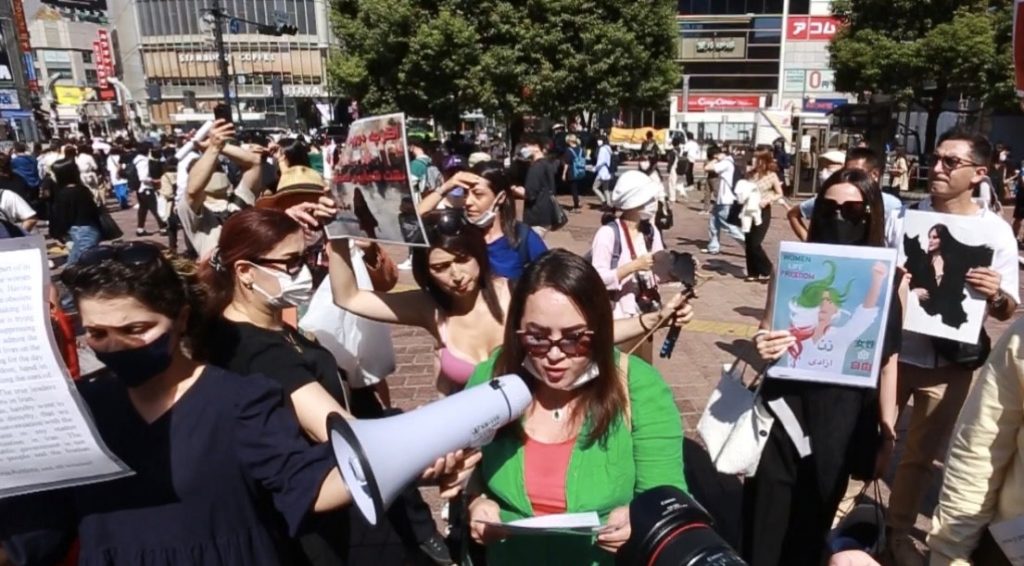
{"x":835,"y":301}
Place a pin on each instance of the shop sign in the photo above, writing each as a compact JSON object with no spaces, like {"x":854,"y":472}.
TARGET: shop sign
{"x":823,"y":105}
{"x":9,"y":99}
{"x":812,"y":28}
{"x":820,"y":81}
{"x":718,"y":102}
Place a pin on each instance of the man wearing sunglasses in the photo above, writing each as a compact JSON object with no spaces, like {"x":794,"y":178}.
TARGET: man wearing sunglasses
{"x":938,"y":387}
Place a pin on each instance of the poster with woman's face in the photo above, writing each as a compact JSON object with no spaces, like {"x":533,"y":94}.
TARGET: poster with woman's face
{"x":937,"y":250}
{"x":372,"y":187}
{"x":834,"y":300}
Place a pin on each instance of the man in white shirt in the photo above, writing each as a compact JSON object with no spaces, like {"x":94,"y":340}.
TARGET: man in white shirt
{"x":721,"y":164}
{"x":937,"y":386}
{"x":14,"y":209}
{"x":602,"y":186}
{"x":692,"y":150}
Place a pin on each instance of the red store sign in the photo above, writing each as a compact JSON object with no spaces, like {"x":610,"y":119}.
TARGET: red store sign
{"x":718,"y":102}
{"x":812,"y":28}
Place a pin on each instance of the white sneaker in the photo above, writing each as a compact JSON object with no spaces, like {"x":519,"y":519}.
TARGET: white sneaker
{"x":406,"y":265}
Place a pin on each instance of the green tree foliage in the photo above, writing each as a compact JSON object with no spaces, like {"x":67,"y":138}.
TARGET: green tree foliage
{"x":926,"y":52}
{"x":547,"y":57}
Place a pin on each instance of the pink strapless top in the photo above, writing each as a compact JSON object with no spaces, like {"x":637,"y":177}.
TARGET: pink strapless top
{"x":453,"y":366}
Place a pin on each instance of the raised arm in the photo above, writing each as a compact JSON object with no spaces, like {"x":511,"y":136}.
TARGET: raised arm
{"x":205,"y":167}
{"x":463,"y":179}
{"x":249,"y":163}
{"x":410,"y":308}
{"x":878,"y":272}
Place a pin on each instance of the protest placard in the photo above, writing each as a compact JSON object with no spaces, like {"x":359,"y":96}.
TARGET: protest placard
{"x":835,"y":301}
{"x":47,"y":437}
{"x":372,"y":187}
{"x":938,"y":250}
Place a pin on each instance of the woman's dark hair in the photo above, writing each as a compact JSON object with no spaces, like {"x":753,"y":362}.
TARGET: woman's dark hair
{"x":872,"y":196}
{"x":945,"y":238}
{"x":604,"y":399}
{"x":498,"y":179}
{"x":163,"y":285}
{"x":295,"y":150}
{"x":65,"y":172}
{"x":246,"y":235}
{"x":70,"y":152}
{"x":468,"y":240}
{"x":5,"y":165}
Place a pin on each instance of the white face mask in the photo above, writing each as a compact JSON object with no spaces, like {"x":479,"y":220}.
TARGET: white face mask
{"x":486,"y":219}
{"x":586,"y":377}
{"x":649,"y":210}
{"x":294,"y":290}
{"x":599,"y":143}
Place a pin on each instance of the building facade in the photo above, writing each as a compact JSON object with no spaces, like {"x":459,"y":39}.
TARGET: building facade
{"x":168,"y":57}
{"x":740,"y":57}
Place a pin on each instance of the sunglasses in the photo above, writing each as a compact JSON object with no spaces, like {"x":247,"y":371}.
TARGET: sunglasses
{"x":951,"y":163}
{"x":292,"y":266}
{"x":856,"y":211}
{"x":575,"y":344}
{"x":447,"y":222}
{"x":131,"y":253}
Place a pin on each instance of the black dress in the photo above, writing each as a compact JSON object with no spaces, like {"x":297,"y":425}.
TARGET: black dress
{"x":215,"y":477}
{"x":341,"y":537}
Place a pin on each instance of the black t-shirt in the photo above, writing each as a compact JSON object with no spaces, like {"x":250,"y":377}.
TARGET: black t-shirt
{"x":285,"y":356}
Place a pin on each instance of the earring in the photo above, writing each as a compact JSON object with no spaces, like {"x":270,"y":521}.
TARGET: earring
{"x":248,"y":285}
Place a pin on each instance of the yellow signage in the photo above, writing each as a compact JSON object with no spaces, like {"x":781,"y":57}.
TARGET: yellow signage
{"x":71,"y":95}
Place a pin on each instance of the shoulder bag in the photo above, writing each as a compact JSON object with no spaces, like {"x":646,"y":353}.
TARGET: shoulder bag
{"x":735,"y":424}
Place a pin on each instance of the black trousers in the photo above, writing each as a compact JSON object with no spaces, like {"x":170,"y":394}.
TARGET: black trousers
{"x":758,"y":264}
{"x":786,"y":518}
{"x":574,"y":188}
{"x":147,"y":204}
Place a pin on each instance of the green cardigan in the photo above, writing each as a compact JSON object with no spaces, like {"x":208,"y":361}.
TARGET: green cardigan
{"x":601,"y":477}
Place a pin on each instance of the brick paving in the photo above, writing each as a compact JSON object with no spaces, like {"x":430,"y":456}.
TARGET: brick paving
{"x":726,"y":311}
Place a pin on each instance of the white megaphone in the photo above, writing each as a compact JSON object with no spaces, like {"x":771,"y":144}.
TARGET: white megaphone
{"x":186,"y":149}
{"x":378,"y":458}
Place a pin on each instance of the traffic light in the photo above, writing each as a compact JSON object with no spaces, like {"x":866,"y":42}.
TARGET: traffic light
{"x":277,"y":30}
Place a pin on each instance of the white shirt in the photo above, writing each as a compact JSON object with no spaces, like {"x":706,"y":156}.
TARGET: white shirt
{"x":917,"y":348}
{"x":14,"y":208}
{"x":829,"y":353}
{"x":725,"y":168}
{"x":114,"y":169}
{"x":692,"y":149}
{"x":141,"y":164}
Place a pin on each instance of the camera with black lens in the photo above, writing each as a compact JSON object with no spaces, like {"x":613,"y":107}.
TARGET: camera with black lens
{"x":648,"y":299}
{"x":669,"y":528}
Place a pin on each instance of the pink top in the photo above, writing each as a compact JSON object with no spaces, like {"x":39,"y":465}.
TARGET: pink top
{"x":603,"y":245}
{"x":452,"y":366}
{"x":546,"y":466}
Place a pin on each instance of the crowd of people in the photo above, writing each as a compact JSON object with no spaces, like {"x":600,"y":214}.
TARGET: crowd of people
{"x":218,"y":383}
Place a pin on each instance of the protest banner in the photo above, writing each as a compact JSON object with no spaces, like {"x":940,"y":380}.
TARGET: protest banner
{"x":835,"y":301}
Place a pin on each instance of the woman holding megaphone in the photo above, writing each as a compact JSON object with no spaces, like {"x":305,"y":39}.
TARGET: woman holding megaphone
{"x":602,"y":427}
{"x":460,"y":302}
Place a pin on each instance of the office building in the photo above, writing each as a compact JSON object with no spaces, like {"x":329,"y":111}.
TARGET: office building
{"x":168,"y":59}
{"x":742,"y":56}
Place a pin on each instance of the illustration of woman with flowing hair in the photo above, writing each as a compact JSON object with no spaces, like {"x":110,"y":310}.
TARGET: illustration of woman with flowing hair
{"x":820,"y":343}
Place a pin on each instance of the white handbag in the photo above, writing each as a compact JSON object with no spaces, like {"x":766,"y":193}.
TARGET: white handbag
{"x":735,"y":424}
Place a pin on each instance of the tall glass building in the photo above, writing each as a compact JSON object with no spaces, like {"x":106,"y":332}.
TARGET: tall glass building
{"x":168,"y":43}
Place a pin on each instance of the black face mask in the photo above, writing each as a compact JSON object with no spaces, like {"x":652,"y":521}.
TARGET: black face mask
{"x":843,"y":232}
{"x":136,"y":366}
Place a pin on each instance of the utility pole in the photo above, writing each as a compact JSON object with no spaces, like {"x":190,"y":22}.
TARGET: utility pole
{"x":218,"y":16}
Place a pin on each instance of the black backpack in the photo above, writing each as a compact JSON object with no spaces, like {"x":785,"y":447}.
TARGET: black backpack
{"x":131,"y":175}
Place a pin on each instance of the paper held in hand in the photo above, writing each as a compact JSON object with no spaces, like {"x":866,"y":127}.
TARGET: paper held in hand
{"x":47,"y":437}
{"x":835,"y":301}
{"x":564,"y":524}
{"x":373,"y":186}
{"x":1009,"y":535}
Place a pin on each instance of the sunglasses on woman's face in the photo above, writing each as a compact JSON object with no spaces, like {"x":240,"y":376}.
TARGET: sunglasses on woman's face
{"x":132,"y":253}
{"x":574,"y":344}
{"x":851,"y":210}
{"x":292,"y":265}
